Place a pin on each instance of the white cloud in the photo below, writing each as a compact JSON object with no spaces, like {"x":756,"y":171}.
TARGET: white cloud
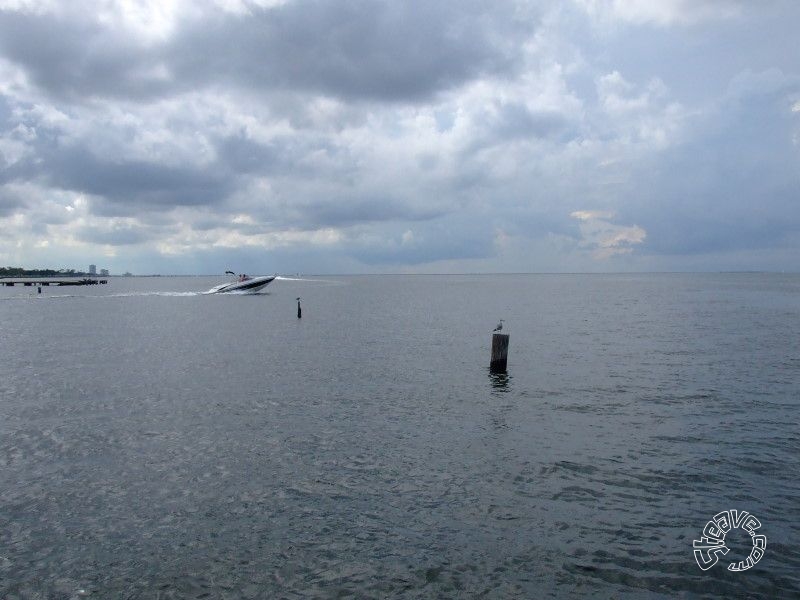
{"x":620,"y":97}
{"x":31,"y":6}
{"x":591,"y":215}
{"x":661,"y":12}
{"x":640,"y":116}
{"x":604,"y":238}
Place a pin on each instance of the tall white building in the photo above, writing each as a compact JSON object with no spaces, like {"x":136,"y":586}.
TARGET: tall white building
{"x":92,"y":269}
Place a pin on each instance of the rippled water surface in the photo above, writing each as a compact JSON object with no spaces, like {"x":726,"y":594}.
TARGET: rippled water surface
{"x":160,"y":443}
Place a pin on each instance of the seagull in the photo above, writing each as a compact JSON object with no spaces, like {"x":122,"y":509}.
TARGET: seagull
{"x":499,"y":326}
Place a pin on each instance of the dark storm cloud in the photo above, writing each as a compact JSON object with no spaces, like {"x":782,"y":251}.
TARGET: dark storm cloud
{"x":246,"y":156}
{"x":6,"y":127}
{"x":77,"y":58}
{"x":10,"y":202}
{"x":353,"y":49}
{"x":133,"y":184}
{"x":115,"y":236}
{"x":281,"y":156}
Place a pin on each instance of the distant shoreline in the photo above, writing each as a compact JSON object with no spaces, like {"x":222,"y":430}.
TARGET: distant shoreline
{"x":20,"y":272}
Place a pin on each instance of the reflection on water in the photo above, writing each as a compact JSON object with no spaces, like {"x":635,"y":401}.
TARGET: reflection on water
{"x":500,"y":382}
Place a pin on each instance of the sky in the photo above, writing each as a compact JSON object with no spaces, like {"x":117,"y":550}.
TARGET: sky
{"x":371,"y":136}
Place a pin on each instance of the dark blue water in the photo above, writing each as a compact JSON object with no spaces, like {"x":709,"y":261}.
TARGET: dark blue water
{"x":159,"y":443}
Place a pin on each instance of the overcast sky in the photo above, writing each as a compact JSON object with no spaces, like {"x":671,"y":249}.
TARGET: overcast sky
{"x":361,"y":136}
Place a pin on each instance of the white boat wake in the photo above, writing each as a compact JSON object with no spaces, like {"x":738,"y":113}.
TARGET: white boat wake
{"x":248,"y":287}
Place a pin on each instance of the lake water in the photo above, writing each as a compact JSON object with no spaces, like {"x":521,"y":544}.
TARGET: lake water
{"x":160,"y":443}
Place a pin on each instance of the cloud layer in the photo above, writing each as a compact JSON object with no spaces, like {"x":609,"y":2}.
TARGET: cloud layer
{"x":373,"y":136}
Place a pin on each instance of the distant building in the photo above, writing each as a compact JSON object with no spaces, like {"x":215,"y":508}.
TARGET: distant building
{"x":104,"y":272}
{"x":92,"y":269}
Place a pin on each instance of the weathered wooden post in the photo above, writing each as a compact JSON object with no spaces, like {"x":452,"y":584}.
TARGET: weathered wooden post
{"x":499,"y":353}
{"x":299,"y":310}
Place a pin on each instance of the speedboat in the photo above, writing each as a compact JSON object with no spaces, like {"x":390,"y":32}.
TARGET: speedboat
{"x":242,"y":284}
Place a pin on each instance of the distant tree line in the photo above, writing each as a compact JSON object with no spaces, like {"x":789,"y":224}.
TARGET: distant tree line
{"x":20,"y":272}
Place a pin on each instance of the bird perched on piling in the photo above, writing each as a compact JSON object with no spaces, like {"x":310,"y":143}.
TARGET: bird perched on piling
{"x":499,"y":326}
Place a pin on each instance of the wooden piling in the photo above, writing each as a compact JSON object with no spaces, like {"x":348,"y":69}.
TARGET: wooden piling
{"x":299,"y":310}
{"x":499,"y":353}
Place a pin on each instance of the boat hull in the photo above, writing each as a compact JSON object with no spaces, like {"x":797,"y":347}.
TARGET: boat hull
{"x":249,"y":286}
